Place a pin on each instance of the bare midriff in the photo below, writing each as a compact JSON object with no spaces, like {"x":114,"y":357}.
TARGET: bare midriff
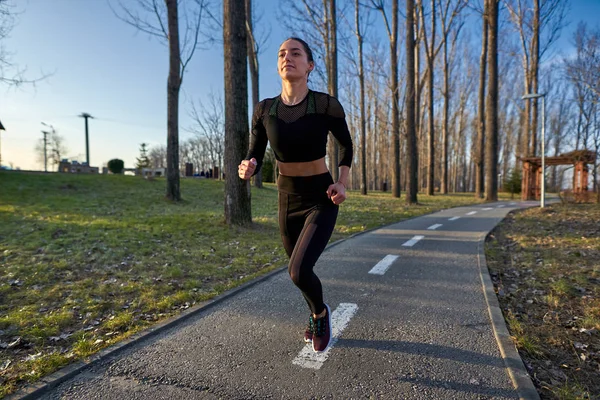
{"x":306,"y":168}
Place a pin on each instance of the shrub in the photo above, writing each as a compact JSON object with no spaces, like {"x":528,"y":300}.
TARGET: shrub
{"x":116,"y":166}
{"x":513,"y":183}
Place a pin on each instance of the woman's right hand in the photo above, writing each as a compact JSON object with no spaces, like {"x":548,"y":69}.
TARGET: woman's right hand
{"x":246,"y":168}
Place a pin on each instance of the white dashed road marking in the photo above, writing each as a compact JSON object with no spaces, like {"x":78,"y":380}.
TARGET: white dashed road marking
{"x":487,"y":208}
{"x":382,"y":266}
{"x":471,"y":213}
{"x":340,"y":317}
{"x":434,"y":227}
{"x":453,"y":218}
{"x":413,"y":241}
{"x":501,"y":205}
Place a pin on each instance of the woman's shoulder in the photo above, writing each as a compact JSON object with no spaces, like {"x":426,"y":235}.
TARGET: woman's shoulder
{"x":327,"y":104}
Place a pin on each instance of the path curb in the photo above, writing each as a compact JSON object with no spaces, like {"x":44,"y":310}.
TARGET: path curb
{"x":514,"y":364}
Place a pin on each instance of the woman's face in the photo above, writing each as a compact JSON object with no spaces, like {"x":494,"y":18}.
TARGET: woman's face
{"x":292,"y":61}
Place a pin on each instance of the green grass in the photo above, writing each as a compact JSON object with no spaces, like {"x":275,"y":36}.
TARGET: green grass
{"x":86,"y":261}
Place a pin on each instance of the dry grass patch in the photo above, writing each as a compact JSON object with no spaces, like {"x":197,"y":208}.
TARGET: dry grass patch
{"x":545,"y":264}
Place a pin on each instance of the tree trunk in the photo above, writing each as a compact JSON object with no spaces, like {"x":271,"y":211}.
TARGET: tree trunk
{"x":491,"y":107}
{"x":173,"y":85}
{"x":431,"y":136}
{"x":237,"y":191}
{"x":411,"y":135}
{"x":480,"y":146}
{"x":332,"y":81}
{"x":253,"y":63}
{"x":444,"y":177}
{"x":535,"y":73}
{"x":395,"y":101}
{"x":361,"y":79}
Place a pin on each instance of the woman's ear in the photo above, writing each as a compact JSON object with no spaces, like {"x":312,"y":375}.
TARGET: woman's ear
{"x":311,"y":66}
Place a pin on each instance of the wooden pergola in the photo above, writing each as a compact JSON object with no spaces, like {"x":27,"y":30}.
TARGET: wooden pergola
{"x":532,"y":172}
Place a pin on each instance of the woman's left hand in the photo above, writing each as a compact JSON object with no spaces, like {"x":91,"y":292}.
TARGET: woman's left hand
{"x":337,"y":193}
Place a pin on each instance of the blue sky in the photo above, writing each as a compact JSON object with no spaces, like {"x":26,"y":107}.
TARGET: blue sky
{"x":104,"y":67}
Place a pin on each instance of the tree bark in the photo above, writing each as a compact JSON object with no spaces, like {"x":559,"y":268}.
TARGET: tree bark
{"x":173,"y":84}
{"x":332,"y":80}
{"x":491,"y":107}
{"x":480,"y":147}
{"x":253,"y":64}
{"x":535,"y":73}
{"x":431,"y":135}
{"x":237,"y":191}
{"x":411,"y":135}
{"x":361,"y":78}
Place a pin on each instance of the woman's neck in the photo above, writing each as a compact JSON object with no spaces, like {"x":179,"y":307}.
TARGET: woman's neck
{"x":293,"y":93}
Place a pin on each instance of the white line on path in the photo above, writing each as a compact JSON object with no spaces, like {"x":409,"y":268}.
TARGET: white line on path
{"x":513,"y":203}
{"x":413,"y":241}
{"x":453,"y":218}
{"x":487,"y":208}
{"x":471,"y":213}
{"x":382,"y":266}
{"x":340,"y":317}
{"x":501,"y":205}
{"x":434,"y":227}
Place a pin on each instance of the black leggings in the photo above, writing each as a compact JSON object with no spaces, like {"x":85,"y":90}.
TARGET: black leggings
{"x":306,"y":221}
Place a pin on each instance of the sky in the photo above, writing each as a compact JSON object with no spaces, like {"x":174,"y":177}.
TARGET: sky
{"x":99,"y":65}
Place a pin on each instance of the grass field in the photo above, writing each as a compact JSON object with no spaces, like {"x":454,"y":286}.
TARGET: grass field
{"x":86,"y":261}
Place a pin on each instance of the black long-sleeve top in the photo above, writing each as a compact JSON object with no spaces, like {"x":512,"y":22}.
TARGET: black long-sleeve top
{"x":299,"y":133}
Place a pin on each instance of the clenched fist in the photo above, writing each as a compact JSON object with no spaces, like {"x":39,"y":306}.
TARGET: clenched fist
{"x":246,"y":168}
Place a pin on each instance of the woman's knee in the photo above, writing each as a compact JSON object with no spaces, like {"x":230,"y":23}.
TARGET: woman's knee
{"x":300,"y":276}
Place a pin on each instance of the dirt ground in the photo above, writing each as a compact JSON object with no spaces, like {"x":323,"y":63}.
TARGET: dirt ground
{"x":545,"y":265}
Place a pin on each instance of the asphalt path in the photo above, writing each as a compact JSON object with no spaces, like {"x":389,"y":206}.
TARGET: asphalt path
{"x":410,"y":322}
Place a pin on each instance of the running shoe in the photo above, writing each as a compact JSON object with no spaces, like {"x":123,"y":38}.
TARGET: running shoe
{"x":322,"y":332}
{"x":308,"y":333}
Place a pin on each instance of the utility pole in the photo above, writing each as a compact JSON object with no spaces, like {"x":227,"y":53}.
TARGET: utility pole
{"x":1,"y":129}
{"x":87,"y":140}
{"x":45,"y":153}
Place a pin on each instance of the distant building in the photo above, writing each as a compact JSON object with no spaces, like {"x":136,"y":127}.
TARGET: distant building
{"x":74,"y":167}
{"x":153,"y":172}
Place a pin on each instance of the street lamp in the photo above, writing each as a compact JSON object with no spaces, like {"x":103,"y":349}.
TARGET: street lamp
{"x":543,"y":96}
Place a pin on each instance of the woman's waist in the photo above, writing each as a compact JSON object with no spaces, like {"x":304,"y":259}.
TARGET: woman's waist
{"x":305,"y":185}
{"x":305,"y":168}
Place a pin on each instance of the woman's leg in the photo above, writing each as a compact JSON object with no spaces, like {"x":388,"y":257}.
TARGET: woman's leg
{"x":309,"y":236}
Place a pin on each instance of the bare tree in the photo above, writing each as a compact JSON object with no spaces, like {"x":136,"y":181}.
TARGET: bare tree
{"x":161,"y":19}
{"x":411,"y":135}
{"x":449,"y":14}
{"x":480,"y":145}
{"x":361,"y":79}
{"x":209,"y":125}
{"x":158,"y":156}
{"x":53,"y":150}
{"x":254,"y":44}
{"x":10,"y":73}
{"x":491,"y":106}
{"x":539,"y":26}
{"x":237,"y":191}
{"x":429,"y":52}
{"x":392,"y":32}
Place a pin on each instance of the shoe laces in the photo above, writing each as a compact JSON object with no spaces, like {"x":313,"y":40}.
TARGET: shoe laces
{"x":320,"y":325}
{"x":311,"y":324}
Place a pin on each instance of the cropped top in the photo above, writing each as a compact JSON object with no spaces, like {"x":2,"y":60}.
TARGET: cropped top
{"x":299,"y":133}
